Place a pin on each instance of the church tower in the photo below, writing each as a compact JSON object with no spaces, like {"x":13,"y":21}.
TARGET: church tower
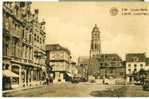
{"x":95,"y":42}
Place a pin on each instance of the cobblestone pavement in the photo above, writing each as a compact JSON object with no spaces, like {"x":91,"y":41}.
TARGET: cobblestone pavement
{"x":60,"y":90}
{"x":136,"y":91}
{"x":74,"y":90}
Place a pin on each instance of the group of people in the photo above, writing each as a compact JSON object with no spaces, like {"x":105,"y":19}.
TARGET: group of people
{"x":49,"y":80}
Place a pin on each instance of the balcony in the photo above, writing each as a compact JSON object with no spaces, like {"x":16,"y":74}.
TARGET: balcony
{"x":6,"y":58}
{"x":16,"y":59}
{"x":30,"y":61}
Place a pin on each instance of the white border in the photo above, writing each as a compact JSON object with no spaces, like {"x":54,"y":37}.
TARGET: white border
{"x":45,"y":97}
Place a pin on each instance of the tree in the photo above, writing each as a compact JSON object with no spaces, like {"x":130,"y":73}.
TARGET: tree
{"x":140,"y":76}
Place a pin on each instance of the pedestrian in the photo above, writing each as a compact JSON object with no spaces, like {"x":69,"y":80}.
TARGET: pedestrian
{"x":47,"y":80}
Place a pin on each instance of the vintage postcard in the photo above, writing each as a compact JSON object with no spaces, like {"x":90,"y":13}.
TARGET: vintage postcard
{"x":75,"y":49}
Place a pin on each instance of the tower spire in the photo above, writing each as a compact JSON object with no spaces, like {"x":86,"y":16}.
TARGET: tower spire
{"x":95,"y":48}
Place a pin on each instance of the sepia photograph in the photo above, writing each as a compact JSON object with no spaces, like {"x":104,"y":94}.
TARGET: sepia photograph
{"x":75,"y":49}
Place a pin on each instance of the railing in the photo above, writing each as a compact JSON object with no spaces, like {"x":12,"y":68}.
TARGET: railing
{"x":30,"y":61}
{"x":14,"y":58}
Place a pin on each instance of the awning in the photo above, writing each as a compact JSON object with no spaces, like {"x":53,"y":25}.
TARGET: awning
{"x":8,"y":73}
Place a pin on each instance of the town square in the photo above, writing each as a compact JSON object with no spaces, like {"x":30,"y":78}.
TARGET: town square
{"x":74,"y":50}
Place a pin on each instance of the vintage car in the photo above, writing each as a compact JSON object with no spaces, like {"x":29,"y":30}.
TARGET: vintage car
{"x":75,"y":80}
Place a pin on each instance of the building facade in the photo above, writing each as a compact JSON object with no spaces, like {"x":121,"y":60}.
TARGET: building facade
{"x":83,"y":63}
{"x":18,"y":44}
{"x":110,"y":65}
{"x":134,"y":63}
{"x":58,"y":58}
{"x":73,"y":69}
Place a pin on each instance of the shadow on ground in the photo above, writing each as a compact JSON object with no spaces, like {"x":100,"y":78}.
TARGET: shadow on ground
{"x":120,"y":92}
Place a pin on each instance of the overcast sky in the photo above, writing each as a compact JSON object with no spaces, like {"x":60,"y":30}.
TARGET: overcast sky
{"x":70,"y":24}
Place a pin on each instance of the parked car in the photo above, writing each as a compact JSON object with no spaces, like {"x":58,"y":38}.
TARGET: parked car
{"x":83,"y":79}
{"x":75,"y":80}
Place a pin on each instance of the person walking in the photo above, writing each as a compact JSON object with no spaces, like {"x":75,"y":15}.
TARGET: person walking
{"x":47,"y":80}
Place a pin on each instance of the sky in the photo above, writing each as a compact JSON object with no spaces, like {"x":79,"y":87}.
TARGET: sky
{"x":70,"y":24}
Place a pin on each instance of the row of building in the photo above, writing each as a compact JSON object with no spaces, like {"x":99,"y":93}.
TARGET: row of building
{"x":27,"y":61}
{"x":111,"y":65}
{"x":106,"y":65}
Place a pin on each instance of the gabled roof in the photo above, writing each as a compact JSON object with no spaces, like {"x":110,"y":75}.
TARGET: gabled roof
{"x":135,"y":57}
{"x":109,"y":57}
{"x":147,"y":61}
{"x":56,"y":47}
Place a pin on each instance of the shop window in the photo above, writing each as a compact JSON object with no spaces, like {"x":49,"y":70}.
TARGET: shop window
{"x":7,"y":66}
{"x":15,"y":69}
{"x":23,"y":76}
{"x":15,"y":81}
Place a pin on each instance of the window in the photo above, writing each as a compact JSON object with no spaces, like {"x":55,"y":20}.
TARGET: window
{"x":35,"y":37}
{"x":101,"y":64}
{"x":135,"y":65}
{"x":43,"y":40}
{"x":95,"y":46}
{"x":23,"y":32}
{"x":5,"y":49}
{"x":141,"y":65}
{"x":14,"y":47}
{"x":129,"y":65}
{"x":7,"y":66}
{"x":92,"y":46}
{"x":129,"y":70}
{"x":40,"y":41}
{"x":135,"y":70}
{"x":30,"y":38}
